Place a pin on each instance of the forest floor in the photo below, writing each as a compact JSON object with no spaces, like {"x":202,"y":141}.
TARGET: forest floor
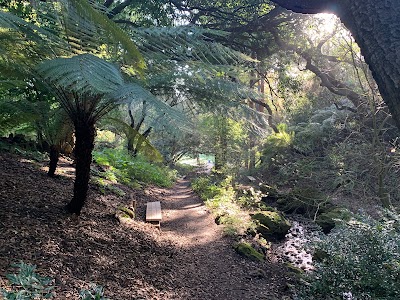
{"x":190,"y":258}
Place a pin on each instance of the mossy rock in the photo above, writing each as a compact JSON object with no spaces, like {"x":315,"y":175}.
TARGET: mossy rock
{"x":271,"y":224}
{"x":127,"y":212}
{"x":245,"y":249}
{"x":304,"y":201}
{"x":328,"y":220}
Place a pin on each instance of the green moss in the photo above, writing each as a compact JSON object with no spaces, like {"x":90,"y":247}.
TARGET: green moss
{"x":127,"y":211}
{"x":245,"y":249}
{"x":271,"y":224}
{"x":328,"y":220}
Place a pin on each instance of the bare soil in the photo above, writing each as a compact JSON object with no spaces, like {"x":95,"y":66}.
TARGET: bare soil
{"x":190,"y":258}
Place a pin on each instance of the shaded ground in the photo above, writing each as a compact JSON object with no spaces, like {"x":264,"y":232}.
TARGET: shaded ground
{"x":189,"y":259}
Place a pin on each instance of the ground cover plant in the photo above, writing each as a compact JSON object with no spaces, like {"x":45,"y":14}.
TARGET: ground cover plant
{"x":359,"y":259}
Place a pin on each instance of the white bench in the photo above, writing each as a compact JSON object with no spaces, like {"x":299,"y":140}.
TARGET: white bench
{"x":153,"y":213}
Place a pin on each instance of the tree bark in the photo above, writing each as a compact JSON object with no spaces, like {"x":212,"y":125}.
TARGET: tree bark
{"x":376,"y":28}
{"x":84,"y":133}
{"x":54,"y":156}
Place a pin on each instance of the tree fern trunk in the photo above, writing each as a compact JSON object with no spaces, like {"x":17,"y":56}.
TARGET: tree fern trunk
{"x":54,"y":155}
{"x":84,"y":144}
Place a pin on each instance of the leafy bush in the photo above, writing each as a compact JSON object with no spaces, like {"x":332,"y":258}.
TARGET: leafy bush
{"x":127,"y":169}
{"x":221,"y":199}
{"x":277,"y":143}
{"x":361,"y":260}
{"x":205,"y":188}
{"x":96,"y":292}
{"x":27,"y":284}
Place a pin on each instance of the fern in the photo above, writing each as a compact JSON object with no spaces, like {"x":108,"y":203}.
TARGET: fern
{"x":84,"y":73}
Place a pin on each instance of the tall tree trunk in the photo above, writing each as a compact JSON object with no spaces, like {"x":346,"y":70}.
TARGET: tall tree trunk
{"x":376,"y":28}
{"x":84,"y":133}
{"x":54,"y":156}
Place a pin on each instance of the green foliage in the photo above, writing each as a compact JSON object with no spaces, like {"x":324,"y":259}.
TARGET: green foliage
{"x":96,"y":292}
{"x":277,"y":143}
{"x":27,"y":284}
{"x":361,"y":260}
{"x":205,"y":188}
{"x":220,"y":197}
{"x":128,"y":169}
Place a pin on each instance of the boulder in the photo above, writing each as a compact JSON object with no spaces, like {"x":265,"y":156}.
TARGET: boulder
{"x":328,"y":220}
{"x":245,"y":249}
{"x":271,"y":224}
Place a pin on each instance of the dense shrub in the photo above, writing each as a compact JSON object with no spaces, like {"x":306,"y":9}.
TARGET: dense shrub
{"x":127,"y":169}
{"x":360,"y":260}
{"x":205,"y":188}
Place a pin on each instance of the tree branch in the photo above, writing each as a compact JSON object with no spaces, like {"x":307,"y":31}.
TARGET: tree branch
{"x":308,"y":6}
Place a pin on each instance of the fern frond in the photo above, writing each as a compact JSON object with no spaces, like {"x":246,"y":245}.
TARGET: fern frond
{"x":147,"y":149}
{"x":135,"y":94}
{"x":184,"y":44}
{"x":84,"y":74}
{"x":113,"y":32}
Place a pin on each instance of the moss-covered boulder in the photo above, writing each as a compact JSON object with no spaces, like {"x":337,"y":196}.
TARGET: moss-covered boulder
{"x":245,"y":249}
{"x":304,"y":201}
{"x":271,"y":224}
{"x":328,"y":220}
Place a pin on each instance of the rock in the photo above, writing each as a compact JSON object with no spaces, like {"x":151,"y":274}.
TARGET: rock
{"x":328,"y":220}
{"x":128,"y":212}
{"x":245,"y":249}
{"x":271,"y":224}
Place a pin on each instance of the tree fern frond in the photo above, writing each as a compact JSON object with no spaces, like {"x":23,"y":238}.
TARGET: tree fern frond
{"x":135,"y":94}
{"x":114,"y":33}
{"x":184,"y":43}
{"x":147,"y":148}
{"x":83,"y":74}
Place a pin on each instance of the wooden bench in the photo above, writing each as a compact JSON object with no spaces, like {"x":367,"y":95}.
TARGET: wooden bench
{"x":153,"y":213}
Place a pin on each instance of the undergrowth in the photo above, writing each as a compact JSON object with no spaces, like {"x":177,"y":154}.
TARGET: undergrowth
{"x":28,"y":285}
{"x":357,"y":260}
{"x":221,"y":198}
{"x":124,"y":168}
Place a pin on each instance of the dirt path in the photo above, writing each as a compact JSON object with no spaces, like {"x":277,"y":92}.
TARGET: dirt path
{"x":189,"y":259}
{"x":207,"y":266}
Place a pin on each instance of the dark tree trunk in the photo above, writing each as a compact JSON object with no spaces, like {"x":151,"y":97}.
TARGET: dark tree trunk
{"x":84,"y":144}
{"x":54,"y":155}
{"x":375,"y":26}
